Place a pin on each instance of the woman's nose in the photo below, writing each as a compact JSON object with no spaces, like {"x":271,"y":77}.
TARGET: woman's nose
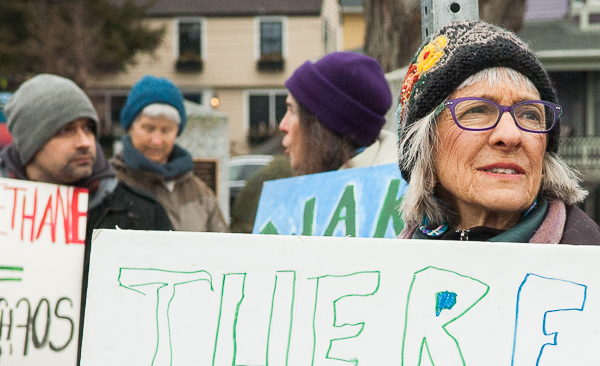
{"x":506,"y":134}
{"x":284,"y":124}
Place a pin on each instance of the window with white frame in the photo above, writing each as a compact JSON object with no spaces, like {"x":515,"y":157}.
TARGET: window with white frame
{"x":190,"y":43}
{"x":270,"y":42}
{"x":266,"y":109}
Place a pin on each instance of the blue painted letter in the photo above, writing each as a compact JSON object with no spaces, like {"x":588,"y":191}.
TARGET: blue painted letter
{"x":537,"y":298}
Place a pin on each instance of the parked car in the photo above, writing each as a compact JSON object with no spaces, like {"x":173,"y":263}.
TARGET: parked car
{"x":5,"y":137}
{"x":241,"y":168}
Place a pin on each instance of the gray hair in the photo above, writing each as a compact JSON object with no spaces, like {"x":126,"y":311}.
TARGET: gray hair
{"x":417,"y":146}
{"x":160,"y":109}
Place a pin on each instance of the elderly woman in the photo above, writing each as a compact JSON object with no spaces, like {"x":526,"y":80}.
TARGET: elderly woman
{"x":479,"y":134}
{"x":153,"y":116}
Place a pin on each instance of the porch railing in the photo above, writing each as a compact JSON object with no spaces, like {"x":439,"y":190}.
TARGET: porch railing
{"x":583,"y":153}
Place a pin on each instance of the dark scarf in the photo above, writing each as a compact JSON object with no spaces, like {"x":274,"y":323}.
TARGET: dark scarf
{"x":180,"y":161}
{"x":101,"y":170}
{"x":520,"y":233}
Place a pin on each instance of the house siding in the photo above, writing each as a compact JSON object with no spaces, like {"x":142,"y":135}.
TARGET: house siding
{"x":354,"y":31}
{"x":229,"y":60}
{"x":232,"y":104}
{"x":229,"y":68}
{"x":546,"y":9}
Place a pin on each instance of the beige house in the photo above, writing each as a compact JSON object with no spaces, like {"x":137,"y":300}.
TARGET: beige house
{"x":353,"y":25}
{"x":233,"y":55}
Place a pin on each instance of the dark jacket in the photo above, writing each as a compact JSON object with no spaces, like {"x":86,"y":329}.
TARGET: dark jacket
{"x":579,"y":228}
{"x":127,"y":208}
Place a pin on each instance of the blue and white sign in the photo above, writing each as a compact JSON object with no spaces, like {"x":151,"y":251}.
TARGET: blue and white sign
{"x":359,"y":202}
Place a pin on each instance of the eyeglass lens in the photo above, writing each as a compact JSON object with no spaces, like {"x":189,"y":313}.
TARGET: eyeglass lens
{"x":476,"y":114}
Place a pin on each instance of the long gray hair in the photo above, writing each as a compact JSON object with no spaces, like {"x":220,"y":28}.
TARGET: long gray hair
{"x":419,"y":142}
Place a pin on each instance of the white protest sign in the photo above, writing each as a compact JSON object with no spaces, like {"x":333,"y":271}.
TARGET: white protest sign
{"x":176,"y":298}
{"x":42,"y":233}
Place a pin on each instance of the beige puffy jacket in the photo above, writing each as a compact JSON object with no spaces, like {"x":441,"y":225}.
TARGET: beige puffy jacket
{"x":190,"y":204}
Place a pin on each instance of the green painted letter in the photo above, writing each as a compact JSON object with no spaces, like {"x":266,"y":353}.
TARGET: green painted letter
{"x":348,"y":205}
{"x":269,"y":229}
{"x":390,"y":210}
{"x":309,"y":217}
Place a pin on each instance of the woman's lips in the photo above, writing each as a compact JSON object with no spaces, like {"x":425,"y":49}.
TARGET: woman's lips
{"x":503,"y":169}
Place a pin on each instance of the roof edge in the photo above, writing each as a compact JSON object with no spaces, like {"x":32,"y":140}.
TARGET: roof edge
{"x":229,"y":15}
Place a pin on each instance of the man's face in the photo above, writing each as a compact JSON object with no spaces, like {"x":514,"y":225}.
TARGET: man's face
{"x":67,"y":157}
{"x":154,"y":137}
{"x":290,"y":126}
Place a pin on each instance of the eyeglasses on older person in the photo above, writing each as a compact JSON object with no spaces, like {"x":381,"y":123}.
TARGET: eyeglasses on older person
{"x":479,"y":114}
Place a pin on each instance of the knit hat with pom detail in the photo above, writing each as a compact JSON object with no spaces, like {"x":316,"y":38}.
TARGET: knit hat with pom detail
{"x":456,"y":52}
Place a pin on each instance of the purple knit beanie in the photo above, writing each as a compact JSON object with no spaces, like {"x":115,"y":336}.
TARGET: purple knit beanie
{"x":347,"y":92}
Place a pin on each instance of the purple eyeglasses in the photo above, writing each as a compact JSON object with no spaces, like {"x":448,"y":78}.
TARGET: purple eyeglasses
{"x":479,"y":114}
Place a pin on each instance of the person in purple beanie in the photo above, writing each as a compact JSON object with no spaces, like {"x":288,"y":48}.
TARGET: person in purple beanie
{"x":335,"y":113}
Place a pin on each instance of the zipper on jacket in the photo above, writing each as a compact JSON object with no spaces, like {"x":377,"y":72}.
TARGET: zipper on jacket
{"x":464,"y":234}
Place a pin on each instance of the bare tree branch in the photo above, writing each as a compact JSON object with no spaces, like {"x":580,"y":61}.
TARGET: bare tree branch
{"x":393,"y":27}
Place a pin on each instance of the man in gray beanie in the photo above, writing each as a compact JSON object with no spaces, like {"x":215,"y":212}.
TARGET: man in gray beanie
{"x":43,"y":106}
{"x":53,"y":124}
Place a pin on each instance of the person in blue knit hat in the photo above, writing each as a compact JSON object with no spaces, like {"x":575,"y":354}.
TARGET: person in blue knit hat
{"x":153,"y":116}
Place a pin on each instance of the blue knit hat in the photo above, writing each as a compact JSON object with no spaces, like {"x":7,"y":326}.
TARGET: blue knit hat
{"x":149,"y":90}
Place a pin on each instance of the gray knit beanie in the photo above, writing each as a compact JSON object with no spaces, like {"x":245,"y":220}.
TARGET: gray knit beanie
{"x":40,"y":107}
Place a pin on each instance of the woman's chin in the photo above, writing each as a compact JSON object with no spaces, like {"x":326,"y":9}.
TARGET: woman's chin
{"x":505,"y":200}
